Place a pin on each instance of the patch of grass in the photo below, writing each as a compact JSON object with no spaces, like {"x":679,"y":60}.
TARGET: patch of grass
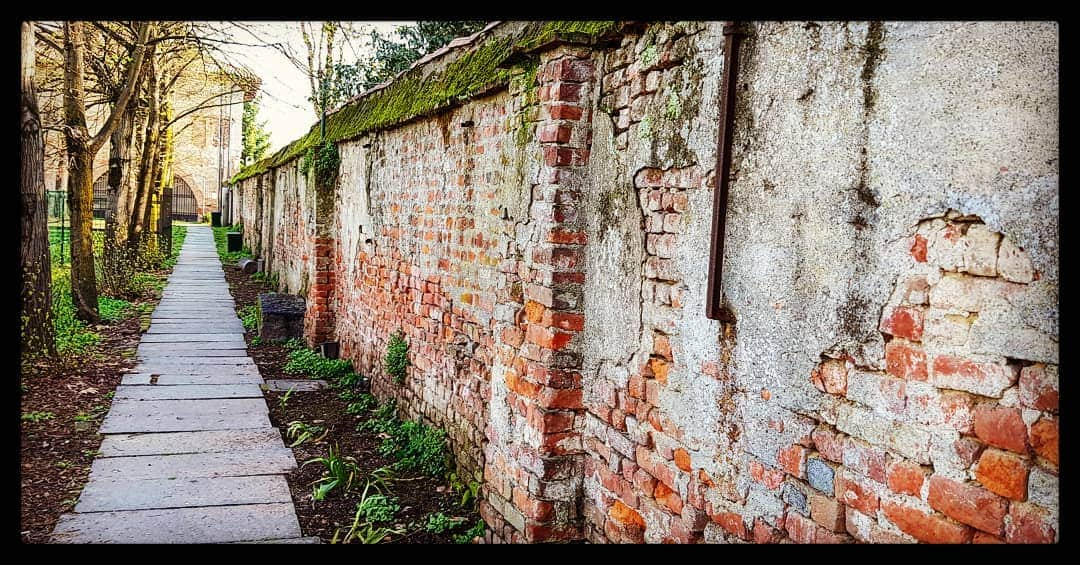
{"x":383,"y":421}
{"x":256,"y":341}
{"x":73,"y":336}
{"x":249,"y":316}
{"x":36,"y":416}
{"x":292,"y":343}
{"x":397,"y":359}
{"x":348,"y":380}
{"x":308,"y":362}
{"x":222,"y":244}
{"x":113,"y":309}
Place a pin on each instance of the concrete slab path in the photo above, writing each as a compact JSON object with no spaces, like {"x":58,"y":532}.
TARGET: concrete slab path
{"x":189,"y":455}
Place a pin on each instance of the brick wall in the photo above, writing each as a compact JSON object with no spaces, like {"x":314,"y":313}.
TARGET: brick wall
{"x":887,"y":367}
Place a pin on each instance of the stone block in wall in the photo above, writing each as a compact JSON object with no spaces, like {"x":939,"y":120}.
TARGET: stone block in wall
{"x":281,"y":316}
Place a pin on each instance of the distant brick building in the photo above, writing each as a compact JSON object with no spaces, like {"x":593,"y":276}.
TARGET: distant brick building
{"x":207,"y":144}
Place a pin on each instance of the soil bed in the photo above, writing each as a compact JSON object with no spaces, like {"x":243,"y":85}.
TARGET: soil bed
{"x":417,"y":496}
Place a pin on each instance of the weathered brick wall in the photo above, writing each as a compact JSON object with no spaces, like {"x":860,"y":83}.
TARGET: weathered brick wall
{"x":887,"y":369}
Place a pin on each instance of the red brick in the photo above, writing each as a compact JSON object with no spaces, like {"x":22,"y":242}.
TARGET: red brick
{"x":793,"y":460}
{"x":732,"y":523}
{"x":554,"y":133}
{"x":905,"y":360}
{"x":1044,"y":439}
{"x":857,"y":494}
{"x":985,"y":538}
{"x":771,"y":478}
{"x":764,"y":533}
{"x":1001,"y":427}
{"x":827,"y":512}
{"x":803,"y":530}
{"x":682,"y":459}
{"x":830,"y":376}
{"x":905,"y":477}
{"x":1029,"y":524}
{"x":534,"y":311}
{"x":559,"y":111}
{"x":659,"y":369}
{"x":668,"y":497}
{"x":567,"y":321}
{"x":987,"y":379}
{"x":1003,"y":473}
{"x":626,"y":523}
{"x":577,"y":70}
{"x":930,"y":528}
{"x":1038,"y":389}
{"x":968,"y":504}
{"x":918,"y":248}
{"x":829,"y":444}
{"x":662,"y":346}
{"x":866,"y":459}
{"x":903,"y":321}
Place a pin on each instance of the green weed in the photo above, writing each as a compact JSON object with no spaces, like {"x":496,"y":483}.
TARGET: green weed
{"x":308,"y":362}
{"x":417,"y":448}
{"x":397,"y":359}
{"x":340,"y":472}
{"x":284,"y":400}
{"x":249,"y":316}
{"x":438,"y":523}
{"x":36,"y":416}
{"x":113,"y":309}
{"x":301,"y":432}
{"x":472,"y":533}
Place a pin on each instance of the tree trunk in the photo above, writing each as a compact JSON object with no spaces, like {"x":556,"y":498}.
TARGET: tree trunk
{"x":80,"y":177}
{"x":119,"y":179}
{"x":145,"y":178}
{"x":36,"y":313}
{"x":166,"y":181}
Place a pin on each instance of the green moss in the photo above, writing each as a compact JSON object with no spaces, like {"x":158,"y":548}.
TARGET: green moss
{"x":422,"y":92}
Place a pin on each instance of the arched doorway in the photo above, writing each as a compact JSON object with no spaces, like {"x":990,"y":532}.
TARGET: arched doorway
{"x":185,"y":206}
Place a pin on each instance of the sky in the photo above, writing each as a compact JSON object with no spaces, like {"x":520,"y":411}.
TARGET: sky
{"x":284,"y":105}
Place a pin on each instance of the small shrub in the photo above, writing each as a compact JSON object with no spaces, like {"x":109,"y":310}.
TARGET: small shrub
{"x":284,"y":400}
{"x":348,"y":380}
{"x":364,"y":402}
{"x":249,"y":316}
{"x":397,"y":359}
{"x":438,"y":523}
{"x":308,"y":362}
{"x":469,"y":490}
{"x":256,"y":341}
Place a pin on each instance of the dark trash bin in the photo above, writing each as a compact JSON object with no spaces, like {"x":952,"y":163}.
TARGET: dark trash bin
{"x":215,"y":219}
{"x":234,"y":241}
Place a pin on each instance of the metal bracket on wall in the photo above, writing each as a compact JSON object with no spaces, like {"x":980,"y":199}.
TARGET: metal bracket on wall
{"x":733,"y":33}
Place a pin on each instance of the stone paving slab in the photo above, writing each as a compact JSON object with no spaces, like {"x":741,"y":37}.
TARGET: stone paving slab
{"x":171,"y":423}
{"x":299,"y":385}
{"x":189,"y":465}
{"x":188,"y":338}
{"x":169,"y":443}
{"x":157,"y":328}
{"x":181,"y":392}
{"x":145,"y":494}
{"x":171,"y":379}
{"x":201,"y":353}
{"x":198,"y":365}
{"x":237,"y":343}
{"x":211,"y":524}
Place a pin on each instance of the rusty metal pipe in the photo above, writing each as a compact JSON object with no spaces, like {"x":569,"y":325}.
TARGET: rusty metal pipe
{"x":733,"y":34}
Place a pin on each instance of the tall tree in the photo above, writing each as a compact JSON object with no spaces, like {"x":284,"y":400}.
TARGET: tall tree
{"x":81,"y":148}
{"x":35,"y":265}
{"x":392,"y":54}
{"x":255,"y":138}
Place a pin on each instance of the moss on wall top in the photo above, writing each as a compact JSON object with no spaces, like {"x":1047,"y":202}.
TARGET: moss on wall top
{"x":425,"y":89}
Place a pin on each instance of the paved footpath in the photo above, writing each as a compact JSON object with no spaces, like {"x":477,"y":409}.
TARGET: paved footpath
{"x":189,"y":455}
